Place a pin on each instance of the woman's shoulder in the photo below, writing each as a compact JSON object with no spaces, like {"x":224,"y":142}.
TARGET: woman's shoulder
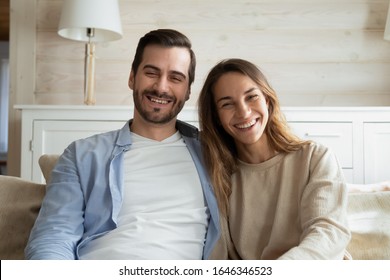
{"x":313,"y":147}
{"x":313,"y":152}
{"x":319,"y":154}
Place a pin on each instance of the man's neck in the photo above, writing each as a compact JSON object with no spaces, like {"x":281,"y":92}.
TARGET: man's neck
{"x":153,"y":131}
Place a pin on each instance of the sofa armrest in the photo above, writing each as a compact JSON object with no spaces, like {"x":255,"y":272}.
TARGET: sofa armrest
{"x":369,"y":222}
{"x":20,"y":202}
{"x":47,"y":163}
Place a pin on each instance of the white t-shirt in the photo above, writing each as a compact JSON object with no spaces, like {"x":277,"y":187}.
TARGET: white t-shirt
{"x":164,"y":213}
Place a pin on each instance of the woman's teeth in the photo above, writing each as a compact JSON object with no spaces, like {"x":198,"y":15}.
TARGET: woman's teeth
{"x":246,"y":125}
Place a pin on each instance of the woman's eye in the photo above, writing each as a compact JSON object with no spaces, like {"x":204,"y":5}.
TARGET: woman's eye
{"x":226,"y":105}
{"x":253,"y":97}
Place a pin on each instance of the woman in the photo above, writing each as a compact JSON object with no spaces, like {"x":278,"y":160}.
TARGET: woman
{"x":280,"y":197}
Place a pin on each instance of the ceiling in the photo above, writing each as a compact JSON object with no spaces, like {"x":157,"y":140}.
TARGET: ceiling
{"x":4,"y":20}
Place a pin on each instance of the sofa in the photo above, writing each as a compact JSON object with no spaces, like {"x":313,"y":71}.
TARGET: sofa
{"x":368,"y":215}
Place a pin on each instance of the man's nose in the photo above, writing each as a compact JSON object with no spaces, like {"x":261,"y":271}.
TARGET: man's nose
{"x":161,"y":84}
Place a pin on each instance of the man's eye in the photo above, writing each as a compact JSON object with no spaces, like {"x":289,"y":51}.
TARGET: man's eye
{"x":177,"y":78}
{"x":151,"y":74}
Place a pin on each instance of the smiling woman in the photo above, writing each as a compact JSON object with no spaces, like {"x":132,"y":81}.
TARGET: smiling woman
{"x":281,"y":197}
{"x":243,"y":112}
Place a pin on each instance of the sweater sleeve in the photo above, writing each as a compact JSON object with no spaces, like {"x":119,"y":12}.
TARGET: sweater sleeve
{"x":322,"y":210}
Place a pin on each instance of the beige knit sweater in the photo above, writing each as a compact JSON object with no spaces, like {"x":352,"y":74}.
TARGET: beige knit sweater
{"x":292,"y":206}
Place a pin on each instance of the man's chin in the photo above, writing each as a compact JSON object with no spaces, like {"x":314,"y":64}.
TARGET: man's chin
{"x":158,"y":118}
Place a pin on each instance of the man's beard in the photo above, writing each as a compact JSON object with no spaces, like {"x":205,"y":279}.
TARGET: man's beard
{"x":155,"y":117}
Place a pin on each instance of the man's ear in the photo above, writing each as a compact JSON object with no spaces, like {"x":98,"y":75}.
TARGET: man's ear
{"x":188,"y":94}
{"x":131,"y":80}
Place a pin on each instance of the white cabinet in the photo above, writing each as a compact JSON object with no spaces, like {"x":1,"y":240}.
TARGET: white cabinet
{"x":52,"y":137}
{"x":359,"y":136}
{"x":376,"y":152}
{"x":50,"y":129}
{"x":335,"y":135}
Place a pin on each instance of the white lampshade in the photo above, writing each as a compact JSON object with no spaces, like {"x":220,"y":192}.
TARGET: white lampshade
{"x":387,"y":27}
{"x":101,"y":15}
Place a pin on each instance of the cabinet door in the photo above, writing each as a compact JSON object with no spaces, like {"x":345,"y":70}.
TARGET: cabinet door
{"x":335,"y":135}
{"x":376,"y":152}
{"x":52,"y":137}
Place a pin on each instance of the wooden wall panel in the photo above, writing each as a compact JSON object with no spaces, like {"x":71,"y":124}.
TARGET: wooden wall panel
{"x":265,"y":45}
{"x":238,"y":14}
{"x":314,"y":52}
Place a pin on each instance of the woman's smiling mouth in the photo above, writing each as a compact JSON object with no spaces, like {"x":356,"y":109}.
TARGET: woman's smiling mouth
{"x":246,"y":125}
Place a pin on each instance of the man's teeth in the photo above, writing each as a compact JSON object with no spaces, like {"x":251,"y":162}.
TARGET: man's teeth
{"x":159,"y":101}
{"x":246,"y":125}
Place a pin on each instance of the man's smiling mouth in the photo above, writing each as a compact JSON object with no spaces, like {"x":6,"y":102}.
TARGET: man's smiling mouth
{"x":158,"y":101}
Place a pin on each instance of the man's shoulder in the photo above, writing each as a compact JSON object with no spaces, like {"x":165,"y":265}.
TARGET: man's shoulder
{"x":101,"y":135}
{"x":187,"y":129}
{"x":97,"y":140}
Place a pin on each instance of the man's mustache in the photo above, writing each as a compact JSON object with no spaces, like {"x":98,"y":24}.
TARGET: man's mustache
{"x":154,"y":93}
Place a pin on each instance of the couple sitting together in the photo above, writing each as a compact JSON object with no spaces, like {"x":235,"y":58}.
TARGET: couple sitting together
{"x":243,"y":187}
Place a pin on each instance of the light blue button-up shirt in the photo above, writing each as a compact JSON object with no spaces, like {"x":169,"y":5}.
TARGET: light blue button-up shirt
{"x":84,"y":196}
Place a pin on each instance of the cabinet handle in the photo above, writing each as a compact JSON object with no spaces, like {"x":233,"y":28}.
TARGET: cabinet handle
{"x":322,"y":135}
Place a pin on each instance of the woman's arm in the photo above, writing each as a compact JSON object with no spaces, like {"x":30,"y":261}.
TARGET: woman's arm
{"x":323,"y":216}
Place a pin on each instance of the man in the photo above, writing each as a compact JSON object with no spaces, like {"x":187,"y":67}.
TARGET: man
{"x":140,"y":192}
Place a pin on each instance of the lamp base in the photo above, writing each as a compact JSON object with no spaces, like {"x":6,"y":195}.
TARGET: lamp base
{"x":89,"y":74}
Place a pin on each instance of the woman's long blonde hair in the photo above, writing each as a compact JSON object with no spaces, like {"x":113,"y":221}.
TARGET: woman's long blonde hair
{"x":219,"y":150}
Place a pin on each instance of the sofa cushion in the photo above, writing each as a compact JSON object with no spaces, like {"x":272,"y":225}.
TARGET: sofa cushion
{"x":20,"y":202}
{"x":369,"y":221}
{"x":47,"y":163}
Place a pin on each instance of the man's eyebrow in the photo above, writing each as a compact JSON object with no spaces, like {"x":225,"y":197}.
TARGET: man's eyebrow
{"x":152,"y":67}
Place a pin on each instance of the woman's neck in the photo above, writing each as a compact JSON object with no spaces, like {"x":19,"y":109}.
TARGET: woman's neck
{"x":257,"y":152}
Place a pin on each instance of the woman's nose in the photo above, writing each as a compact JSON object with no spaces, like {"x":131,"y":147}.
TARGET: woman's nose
{"x":242,"y":110}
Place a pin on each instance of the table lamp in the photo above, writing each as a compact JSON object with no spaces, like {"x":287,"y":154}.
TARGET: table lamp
{"x":387,"y":27}
{"x":90,"y":21}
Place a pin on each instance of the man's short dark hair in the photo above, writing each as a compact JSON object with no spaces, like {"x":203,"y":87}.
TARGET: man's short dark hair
{"x":165,"y":38}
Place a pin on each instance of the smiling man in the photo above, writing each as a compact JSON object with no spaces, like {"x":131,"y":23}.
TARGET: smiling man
{"x":140,"y":192}
{"x":161,"y":86}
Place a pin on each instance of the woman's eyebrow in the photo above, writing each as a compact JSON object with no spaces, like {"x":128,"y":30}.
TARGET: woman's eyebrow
{"x":251,"y":90}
